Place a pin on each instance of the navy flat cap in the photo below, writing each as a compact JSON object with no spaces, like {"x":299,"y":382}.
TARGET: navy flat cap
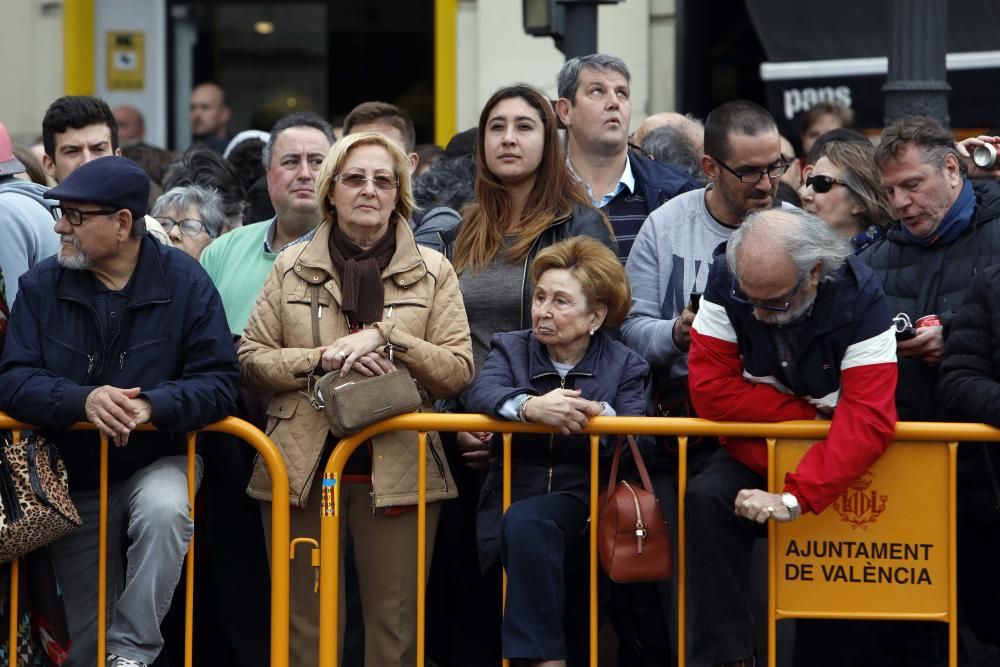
{"x":114,"y":182}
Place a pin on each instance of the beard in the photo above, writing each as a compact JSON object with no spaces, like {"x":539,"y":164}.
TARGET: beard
{"x":78,"y":262}
{"x":796,"y":311}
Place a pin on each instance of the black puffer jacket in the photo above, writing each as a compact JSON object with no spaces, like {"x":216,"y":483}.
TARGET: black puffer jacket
{"x":970,"y":382}
{"x":924,"y":280}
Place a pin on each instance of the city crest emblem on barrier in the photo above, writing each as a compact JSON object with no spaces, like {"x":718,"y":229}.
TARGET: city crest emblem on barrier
{"x":860,"y":504}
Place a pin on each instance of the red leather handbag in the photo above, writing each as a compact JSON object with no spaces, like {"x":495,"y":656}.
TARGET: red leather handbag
{"x":633,"y":543}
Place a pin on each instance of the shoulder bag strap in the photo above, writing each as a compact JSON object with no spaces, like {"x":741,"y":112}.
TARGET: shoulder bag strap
{"x":639,"y":463}
{"x":314,"y":307}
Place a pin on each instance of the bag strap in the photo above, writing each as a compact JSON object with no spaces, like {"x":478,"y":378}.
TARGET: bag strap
{"x":314,"y":307}
{"x":639,"y":463}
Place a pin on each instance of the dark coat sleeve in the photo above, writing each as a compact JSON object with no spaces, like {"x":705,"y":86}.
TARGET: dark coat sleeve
{"x":27,"y":391}
{"x":970,"y":382}
{"x":209,"y":383}
{"x":630,"y":399}
{"x":591,"y":222}
{"x":496,"y":381}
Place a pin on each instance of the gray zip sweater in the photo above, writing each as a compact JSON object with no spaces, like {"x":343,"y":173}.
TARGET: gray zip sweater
{"x":27,"y":235}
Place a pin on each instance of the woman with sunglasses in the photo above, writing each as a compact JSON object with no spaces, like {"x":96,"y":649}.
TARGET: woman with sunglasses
{"x":192,"y":216}
{"x":362,"y":298}
{"x":844,"y":190}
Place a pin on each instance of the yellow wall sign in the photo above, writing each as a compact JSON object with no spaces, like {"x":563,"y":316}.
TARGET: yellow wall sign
{"x":126,"y":52}
{"x":881,"y":549}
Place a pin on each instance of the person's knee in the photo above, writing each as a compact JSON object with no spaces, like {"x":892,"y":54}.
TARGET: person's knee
{"x":162,"y":512}
{"x":521,"y":522}
{"x":704,"y":495}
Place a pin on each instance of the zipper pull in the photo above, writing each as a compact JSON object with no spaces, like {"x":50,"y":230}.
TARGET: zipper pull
{"x":389,"y":314}
{"x":121,"y":361}
{"x":319,"y":313}
{"x":90,"y":363}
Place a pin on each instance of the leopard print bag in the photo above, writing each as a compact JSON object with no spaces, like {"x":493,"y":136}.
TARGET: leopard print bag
{"x":35,"y":507}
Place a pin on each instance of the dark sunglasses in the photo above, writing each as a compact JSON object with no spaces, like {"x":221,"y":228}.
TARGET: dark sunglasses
{"x":821,"y":184}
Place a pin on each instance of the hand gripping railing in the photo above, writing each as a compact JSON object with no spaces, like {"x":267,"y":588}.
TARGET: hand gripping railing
{"x":279,"y":546}
{"x":946,"y":433}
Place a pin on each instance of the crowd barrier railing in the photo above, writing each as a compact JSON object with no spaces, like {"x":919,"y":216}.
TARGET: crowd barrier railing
{"x":936,"y":481}
{"x":279,"y":547}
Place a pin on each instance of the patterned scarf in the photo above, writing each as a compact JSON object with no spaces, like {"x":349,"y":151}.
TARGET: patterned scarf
{"x":360,"y":273}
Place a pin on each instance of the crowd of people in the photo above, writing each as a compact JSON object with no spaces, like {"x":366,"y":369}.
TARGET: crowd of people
{"x":694,"y":268}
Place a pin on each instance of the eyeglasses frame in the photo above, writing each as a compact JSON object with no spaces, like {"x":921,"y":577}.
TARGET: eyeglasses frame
{"x":760,"y":174}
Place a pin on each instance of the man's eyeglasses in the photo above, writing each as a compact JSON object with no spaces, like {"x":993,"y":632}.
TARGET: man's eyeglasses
{"x":187,"y":226}
{"x":754,"y":176}
{"x":821,"y":184}
{"x":357,"y":181}
{"x":75,"y":216}
{"x":774,"y":305}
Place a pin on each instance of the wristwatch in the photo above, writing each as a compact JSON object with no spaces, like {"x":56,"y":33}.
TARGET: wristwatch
{"x":792,"y":503}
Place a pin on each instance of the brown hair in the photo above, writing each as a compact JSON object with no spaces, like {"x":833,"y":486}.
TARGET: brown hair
{"x":383,"y":113}
{"x":334,"y":163}
{"x":597,"y":269}
{"x":485,"y":221}
{"x":934,"y":142}
{"x":843,"y":114}
{"x":857,"y":162}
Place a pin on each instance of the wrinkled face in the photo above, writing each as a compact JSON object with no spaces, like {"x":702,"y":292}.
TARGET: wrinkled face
{"x":76,"y":147}
{"x":560,"y":314}
{"x":291,"y":179}
{"x":514,"y":140}
{"x":364,"y":209}
{"x":823,"y":124}
{"x":920,"y":192}
{"x":598,"y":117}
{"x":179,"y":224}
{"x":89,"y":243}
{"x":837,"y":207}
{"x":747,"y":153}
{"x":771,"y":278}
{"x":209,"y":114}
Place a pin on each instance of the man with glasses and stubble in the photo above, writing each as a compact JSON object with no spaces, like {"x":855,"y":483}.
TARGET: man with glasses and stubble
{"x":791,"y":326}
{"x":118,"y":330}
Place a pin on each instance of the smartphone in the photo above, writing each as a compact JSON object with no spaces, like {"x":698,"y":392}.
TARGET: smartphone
{"x":695,"y":301}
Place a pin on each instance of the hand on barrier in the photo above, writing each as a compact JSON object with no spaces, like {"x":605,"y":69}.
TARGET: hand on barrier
{"x":757,"y":505}
{"x":563,"y":409}
{"x":475,"y":448}
{"x":116,"y":412}
{"x":927,"y":345}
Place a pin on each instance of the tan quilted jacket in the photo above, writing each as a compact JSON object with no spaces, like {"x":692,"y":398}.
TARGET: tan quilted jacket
{"x":424,"y":314}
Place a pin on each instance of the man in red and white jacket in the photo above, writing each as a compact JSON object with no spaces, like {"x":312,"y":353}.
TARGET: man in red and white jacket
{"x":791,"y":326}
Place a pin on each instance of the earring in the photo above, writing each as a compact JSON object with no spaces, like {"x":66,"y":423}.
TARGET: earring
{"x":591,"y":331}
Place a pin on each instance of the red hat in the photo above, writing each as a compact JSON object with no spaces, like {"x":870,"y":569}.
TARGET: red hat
{"x":8,"y":163}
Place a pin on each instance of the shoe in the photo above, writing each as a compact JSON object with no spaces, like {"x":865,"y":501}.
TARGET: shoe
{"x":118,"y":661}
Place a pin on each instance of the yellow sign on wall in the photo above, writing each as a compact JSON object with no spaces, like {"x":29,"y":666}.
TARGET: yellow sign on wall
{"x":126,"y":60}
{"x":882,"y":548}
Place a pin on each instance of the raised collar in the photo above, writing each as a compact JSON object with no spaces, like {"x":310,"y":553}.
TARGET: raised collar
{"x":405,"y":268}
{"x":540,"y":364}
{"x":149,"y":282}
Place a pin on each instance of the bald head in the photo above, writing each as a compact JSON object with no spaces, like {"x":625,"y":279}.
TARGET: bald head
{"x":691,"y":127}
{"x":131,"y":126}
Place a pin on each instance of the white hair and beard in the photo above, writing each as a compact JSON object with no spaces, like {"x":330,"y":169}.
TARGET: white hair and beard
{"x":78,"y":262}
{"x":795,"y":312}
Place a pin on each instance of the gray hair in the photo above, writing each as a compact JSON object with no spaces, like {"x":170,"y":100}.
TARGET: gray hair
{"x":208,"y":201}
{"x":568,"y":79}
{"x":297,"y":119}
{"x":807,"y":239}
{"x":672,"y":145}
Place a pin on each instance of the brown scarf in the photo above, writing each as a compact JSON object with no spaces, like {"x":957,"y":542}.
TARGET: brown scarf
{"x":360,"y":273}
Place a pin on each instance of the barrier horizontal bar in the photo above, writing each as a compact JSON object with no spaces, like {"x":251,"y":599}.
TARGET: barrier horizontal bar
{"x":279,"y":522}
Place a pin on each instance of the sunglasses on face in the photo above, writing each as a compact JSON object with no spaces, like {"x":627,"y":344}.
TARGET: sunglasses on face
{"x":358,"y":181}
{"x":779,"y":305}
{"x":821,"y":184}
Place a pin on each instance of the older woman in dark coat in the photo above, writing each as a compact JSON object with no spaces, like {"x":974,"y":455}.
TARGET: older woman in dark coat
{"x":562,"y":372}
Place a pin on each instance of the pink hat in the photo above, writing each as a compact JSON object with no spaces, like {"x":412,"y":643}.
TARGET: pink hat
{"x":8,"y":163}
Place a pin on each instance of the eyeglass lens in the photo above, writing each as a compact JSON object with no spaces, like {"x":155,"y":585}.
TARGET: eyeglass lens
{"x":357,"y":181}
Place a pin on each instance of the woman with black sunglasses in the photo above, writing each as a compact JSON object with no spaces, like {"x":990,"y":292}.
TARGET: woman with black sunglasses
{"x":845,"y":191}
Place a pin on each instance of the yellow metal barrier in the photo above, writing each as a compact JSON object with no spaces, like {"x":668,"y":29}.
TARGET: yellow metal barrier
{"x":682,"y":428}
{"x":279,"y":548}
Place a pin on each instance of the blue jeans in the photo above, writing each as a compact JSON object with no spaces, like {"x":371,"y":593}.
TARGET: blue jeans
{"x":152,"y":509}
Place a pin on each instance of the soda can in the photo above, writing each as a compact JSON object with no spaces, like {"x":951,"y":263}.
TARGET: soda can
{"x":928,"y":321}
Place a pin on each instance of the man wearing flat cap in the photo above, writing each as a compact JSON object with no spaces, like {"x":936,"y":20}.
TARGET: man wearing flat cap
{"x":118,"y":330}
